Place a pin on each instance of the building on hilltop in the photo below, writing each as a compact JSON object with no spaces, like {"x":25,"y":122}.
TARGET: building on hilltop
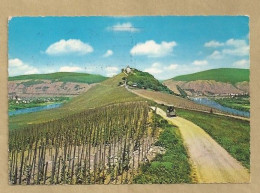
{"x":128,"y":70}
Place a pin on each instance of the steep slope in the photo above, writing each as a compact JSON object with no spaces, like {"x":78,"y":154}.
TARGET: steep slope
{"x":114,"y":81}
{"x":105,"y":93}
{"x":54,"y":84}
{"x":221,"y":81}
{"x":45,"y":88}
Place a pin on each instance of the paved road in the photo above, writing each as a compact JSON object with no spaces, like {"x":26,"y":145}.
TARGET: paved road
{"x":210,"y":162}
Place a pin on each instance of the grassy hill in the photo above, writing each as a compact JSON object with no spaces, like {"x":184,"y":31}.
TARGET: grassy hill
{"x":103,"y":94}
{"x":113,"y":81}
{"x":63,"y":77}
{"x":231,"y":75}
{"x":146,"y":81}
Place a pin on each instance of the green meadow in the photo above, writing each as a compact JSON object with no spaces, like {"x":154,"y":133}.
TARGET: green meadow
{"x":231,"y":133}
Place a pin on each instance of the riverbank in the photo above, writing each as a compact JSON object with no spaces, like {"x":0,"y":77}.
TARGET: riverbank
{"x":211,"y":102}
{"x":34,"y":109}
{"x":25,"y":103}
{"x":238,"y":103}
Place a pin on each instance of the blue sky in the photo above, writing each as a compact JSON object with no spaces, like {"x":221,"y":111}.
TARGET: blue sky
{"x":165,"y":46}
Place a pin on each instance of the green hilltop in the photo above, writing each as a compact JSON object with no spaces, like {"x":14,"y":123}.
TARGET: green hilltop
{"x":147,"y":81}
{"x":63,"y":77}
{"x":228,"y":75}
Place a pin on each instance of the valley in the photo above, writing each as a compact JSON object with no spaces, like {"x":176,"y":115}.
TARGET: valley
{"x":109,"y":134}
{"x":128,"y":100}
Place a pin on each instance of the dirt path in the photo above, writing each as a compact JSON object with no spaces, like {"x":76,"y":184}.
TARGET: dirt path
{"x":211,"y":163}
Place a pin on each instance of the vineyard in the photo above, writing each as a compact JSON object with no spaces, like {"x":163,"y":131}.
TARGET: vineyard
{"x":96,"y":96}
{"x":99,"y":146}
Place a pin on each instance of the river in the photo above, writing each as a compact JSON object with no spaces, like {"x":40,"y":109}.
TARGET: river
{"x":213,"y":104}
{"x":34,"y":109}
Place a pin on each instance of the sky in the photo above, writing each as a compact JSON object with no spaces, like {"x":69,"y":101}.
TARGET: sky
{"x":165,"y":46}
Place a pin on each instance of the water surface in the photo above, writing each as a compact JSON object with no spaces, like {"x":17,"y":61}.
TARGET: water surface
{"x":34,"y":109}
{"x":214,"y":104}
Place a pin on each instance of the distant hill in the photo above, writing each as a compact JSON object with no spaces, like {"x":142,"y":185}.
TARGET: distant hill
{"x":63,"y":77}
{"x":227,"y":75}
{"x":144,"y":80}
{"x":51,"y":85}
{"x":222,"y":81}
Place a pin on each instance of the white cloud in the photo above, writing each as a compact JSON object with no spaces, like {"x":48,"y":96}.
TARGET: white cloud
{"x":238,"y":47}
{"x":239,"y":51}
{"x":154,"y":69}
{"x":241,"y":63}
{"x":236,"y":52}
{"x":18,"y":67}
{"x":70,"y":69}
{"x":156,"y":64}
{"x":171,"y":67}
{"x":108,"y":53}
{"x":200,"y":62}
{"x":236,"y":43}
{"x":232,"y":47}
{"x":71,"y":46}
{"x":111,"y":70}
{"x":216,"y":55}
{"x":152,"y":49}
{"x":164,"y":71}
{"x":123,"y":27}
{"x":157,"y":68}
{"x":213,"y":44}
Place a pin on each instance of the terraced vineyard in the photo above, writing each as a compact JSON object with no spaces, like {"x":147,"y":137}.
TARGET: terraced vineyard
{"x":103,"y":145}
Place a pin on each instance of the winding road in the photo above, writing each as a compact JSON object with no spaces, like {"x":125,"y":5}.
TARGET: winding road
{"x":211,"y":163}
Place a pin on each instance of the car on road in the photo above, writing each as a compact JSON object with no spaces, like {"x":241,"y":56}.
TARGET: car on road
{"x":171,"y":111}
